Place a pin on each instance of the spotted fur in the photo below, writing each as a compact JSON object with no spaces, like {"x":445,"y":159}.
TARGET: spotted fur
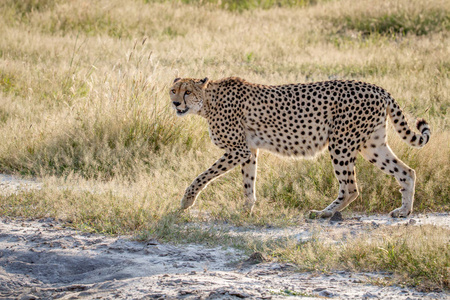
{"x":347,"y":117}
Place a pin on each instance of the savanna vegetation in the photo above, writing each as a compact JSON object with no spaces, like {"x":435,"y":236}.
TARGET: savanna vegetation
{"x":84,"y":106}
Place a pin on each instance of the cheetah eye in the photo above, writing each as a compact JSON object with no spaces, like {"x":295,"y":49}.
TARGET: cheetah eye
{"x":188,"y":92}
{"x":173,"y":91}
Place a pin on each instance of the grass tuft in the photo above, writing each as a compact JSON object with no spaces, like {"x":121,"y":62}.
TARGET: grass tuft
{"x":418,"y":256}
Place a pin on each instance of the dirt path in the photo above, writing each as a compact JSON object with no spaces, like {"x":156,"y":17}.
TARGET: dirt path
{"x":41,"y":259}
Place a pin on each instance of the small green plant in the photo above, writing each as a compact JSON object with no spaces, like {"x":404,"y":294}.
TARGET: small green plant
{"x":249,"y":57}
{"x":7,"y":83}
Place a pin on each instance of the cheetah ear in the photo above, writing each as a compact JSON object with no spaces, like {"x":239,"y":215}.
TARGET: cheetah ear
{"x":204,"y":82}
{"x":177,"y":79}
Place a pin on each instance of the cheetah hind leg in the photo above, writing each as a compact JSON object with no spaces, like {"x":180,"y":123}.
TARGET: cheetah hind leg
{"x":249,"y":177}
{"x":348,"y":189}
{"x":383,"y":157}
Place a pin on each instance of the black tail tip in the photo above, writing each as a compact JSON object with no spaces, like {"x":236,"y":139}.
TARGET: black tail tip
{"x":420,"y":124}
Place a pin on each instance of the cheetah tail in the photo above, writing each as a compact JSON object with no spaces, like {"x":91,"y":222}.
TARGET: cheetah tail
{"x":402,"y":128}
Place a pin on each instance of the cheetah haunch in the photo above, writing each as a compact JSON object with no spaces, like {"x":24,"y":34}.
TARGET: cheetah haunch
{"x":299,"y":120}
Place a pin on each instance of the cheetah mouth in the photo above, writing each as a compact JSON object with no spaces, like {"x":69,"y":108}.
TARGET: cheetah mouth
{"x":181,"y":112}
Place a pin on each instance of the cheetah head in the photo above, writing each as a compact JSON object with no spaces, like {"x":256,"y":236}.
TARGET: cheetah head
{"x":187,"y":95}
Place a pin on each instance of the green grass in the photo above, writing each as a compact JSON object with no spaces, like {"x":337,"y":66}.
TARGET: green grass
{"x":241,"y":5}
{"x":393,"y":19}
{"x":397,"y":23}
{"x":7,"y":83}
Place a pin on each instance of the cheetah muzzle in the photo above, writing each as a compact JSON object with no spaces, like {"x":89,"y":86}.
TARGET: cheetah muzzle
{"x":182,"y":112}
{"x":299,"y":120}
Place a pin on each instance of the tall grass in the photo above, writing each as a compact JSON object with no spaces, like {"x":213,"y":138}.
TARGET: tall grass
{"x":112,"y":124}
{"x":78,"y":100}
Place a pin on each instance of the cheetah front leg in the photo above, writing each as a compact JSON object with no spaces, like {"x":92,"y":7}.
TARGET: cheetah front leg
{"x":344,"y":169}
{"x":227,"y":162}
{"x":249,"y":177}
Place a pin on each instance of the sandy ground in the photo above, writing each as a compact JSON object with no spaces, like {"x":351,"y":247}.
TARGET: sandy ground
{"x":42,"y":259}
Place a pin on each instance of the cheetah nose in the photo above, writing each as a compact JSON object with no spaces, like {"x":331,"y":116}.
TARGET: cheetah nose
{"x":176,"y":103}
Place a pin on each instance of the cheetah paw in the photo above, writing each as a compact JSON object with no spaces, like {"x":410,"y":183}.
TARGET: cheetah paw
{"x":187,"y":202}
{"x":247,"y":209}
{"x":400,"y":213}
{"x":317,"y":214}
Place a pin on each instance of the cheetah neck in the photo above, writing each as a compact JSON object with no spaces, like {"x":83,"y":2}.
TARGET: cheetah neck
{"x":208,"y":96}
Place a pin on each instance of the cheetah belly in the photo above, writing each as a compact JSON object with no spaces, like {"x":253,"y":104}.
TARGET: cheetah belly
{"x":258,"y":141}
{"x":300,"y":147}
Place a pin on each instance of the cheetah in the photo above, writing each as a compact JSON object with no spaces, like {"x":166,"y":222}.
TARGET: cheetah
{"x":299,"y":120}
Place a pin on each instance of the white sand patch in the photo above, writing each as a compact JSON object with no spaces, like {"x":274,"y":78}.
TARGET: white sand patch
{"x":11,"y":184}
{"x":42,"y":259}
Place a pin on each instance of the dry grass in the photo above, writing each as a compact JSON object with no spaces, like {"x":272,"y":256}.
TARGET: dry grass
{"x":404,"y":251}
{"x":83,"y":103}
